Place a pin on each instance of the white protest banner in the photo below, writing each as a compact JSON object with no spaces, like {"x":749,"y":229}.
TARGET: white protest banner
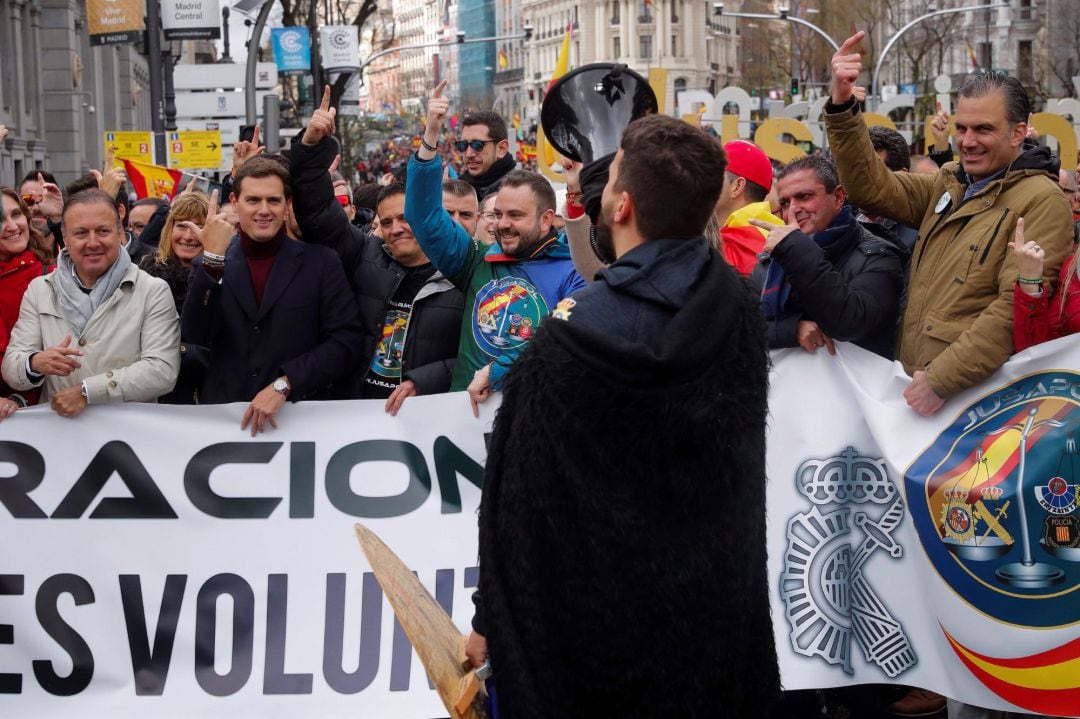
{"x":158,"y":561}
{"x":340,"y":47}
{"x":938,"y":552}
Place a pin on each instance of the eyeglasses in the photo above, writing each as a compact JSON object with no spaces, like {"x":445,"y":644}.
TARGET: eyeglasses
{"x":489,"y":216}
{"x":30,"y":200}
{"x":476,"y":145}
{"x":343,"y":200}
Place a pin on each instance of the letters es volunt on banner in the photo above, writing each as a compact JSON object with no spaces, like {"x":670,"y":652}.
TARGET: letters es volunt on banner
{"x":158,"y":561}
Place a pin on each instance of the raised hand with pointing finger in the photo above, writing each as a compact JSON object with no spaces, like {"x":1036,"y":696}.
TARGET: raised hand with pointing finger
{"x":217,"y":233}
{"x":244,"y":150}
{"x":322,"y":123}
{"x":52,"y":199}
{"x":846,"y":66}
{"x":438,"y":107}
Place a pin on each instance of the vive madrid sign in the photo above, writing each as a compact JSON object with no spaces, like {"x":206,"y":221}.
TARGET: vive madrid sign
{"x":158,"y":561}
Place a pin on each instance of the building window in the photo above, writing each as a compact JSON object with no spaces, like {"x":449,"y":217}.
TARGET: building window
{"x":615,"y":11}
{"x":645,"y":47}
{"x":1025,"y":10}
{"x":645,"y":10}
{"x":616,"y":48}
{"x":1023,"y":61}
{"x":674,"y":13}
{"x":674,"y":45}
{"x":984,"y":55}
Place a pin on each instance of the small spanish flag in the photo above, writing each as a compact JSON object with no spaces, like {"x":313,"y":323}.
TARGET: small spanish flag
{"x":504,"y":61}
{"x":517,"y":121}
{"x":971,"y":55}
{"x":153,"y":180}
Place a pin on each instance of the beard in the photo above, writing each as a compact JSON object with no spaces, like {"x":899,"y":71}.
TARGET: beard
{"x":526,"y":242}
{"x":603,"y":244}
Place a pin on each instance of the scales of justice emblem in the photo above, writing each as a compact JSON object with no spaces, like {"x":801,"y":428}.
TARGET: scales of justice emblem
{"x":994,"y":500}
{"x":506,"y":314}
{"x":829,"y":600}
{"x":981,"y":503}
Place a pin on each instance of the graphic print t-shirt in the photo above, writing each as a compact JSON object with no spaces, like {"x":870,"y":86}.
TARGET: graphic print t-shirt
{"x":384,"y":375}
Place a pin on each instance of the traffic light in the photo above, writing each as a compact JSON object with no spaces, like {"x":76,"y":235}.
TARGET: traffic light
{"x":794,"y":86}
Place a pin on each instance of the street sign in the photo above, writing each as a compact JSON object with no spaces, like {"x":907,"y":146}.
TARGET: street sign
{"x":213,"y":104}
{"x":195,"y":149}
{"x":131,"y":146}
{"x":225,"y":75}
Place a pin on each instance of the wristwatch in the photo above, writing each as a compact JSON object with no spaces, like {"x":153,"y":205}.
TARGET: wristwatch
{"x":282,"y":385}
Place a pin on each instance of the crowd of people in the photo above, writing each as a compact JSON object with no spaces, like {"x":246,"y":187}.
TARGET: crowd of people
{"x":291,"y":285}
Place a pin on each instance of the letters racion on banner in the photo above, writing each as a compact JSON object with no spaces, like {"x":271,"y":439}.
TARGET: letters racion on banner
{"x":158,"y":561}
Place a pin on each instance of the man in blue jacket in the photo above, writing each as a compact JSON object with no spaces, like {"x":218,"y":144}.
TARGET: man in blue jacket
{"x":510,"y":286}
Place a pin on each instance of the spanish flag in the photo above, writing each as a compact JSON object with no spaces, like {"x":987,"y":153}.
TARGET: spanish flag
{"x":1044,"y":683}
{"x":504,"y":61}
{"x":562,"y":63}
{"x":153,"y":180}
{"x":995,"y":459}
{"x":971,"y":55}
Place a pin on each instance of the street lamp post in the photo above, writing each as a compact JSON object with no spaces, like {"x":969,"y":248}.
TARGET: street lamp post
{"x":875,"y":87}
{"x":784,"y":14}
{"x":459,"y":40}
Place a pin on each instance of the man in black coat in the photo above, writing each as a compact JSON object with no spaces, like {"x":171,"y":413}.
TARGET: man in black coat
{"x":276,"y":314}
{"x":824,"y":276}
{"x":622,"y":523}
{"x":410,"y":314}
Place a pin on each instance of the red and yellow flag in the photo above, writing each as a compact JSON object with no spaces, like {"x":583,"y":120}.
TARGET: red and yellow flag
{"x":504,"y":61}
{"x":152,"y":180}
{"x":1045,"y":683}
{"x":996,"y":457}
{"x":562,"y":62}
{"x":971,"y":55}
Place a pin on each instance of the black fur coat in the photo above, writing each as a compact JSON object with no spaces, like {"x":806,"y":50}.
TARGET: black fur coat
{"x":622,"y":524}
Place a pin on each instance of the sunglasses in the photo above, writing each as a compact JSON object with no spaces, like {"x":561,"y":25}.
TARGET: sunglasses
{"x":343,"y":200}
{"x":30,"y":200}
{"x":476,"y":145}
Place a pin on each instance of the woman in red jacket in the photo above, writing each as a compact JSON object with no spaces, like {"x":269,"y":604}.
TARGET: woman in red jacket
{"x":1039,"y":315}
{"x":22,"y":258}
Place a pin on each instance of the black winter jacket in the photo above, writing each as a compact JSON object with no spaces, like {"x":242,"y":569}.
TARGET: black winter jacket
{"x":851,"y":289}
{"x":431,"y":344}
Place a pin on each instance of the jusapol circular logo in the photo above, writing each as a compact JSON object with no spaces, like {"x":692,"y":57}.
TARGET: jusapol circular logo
{"x":506,"y":313}
{"x":994,"y":500}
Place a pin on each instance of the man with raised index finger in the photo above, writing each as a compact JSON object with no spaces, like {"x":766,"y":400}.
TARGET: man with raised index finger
{"x":510,"y":286}
{"x":410,"y":313}
{"x":957,"y":325}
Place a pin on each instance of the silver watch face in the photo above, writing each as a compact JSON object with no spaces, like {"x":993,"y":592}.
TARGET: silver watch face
{"x":281,"y":385}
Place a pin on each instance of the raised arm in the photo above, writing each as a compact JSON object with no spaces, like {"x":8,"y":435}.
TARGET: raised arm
{"x":447,"y":244}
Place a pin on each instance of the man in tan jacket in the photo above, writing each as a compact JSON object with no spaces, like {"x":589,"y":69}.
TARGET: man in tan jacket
{"x":98,"y":329}
{"x":957,"y":325}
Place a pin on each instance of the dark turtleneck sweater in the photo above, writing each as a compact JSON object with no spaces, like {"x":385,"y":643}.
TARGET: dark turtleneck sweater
{"x":260,"y":260}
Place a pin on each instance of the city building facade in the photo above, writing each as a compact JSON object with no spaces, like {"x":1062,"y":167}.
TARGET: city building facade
{"x":58,"y":95}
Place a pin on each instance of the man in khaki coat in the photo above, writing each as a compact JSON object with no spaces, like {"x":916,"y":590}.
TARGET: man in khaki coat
{"x":957,"y":325}
{"x":98,"y":329}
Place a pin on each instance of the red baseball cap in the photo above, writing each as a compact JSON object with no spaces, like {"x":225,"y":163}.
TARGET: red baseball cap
{"x":750,"y":162}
